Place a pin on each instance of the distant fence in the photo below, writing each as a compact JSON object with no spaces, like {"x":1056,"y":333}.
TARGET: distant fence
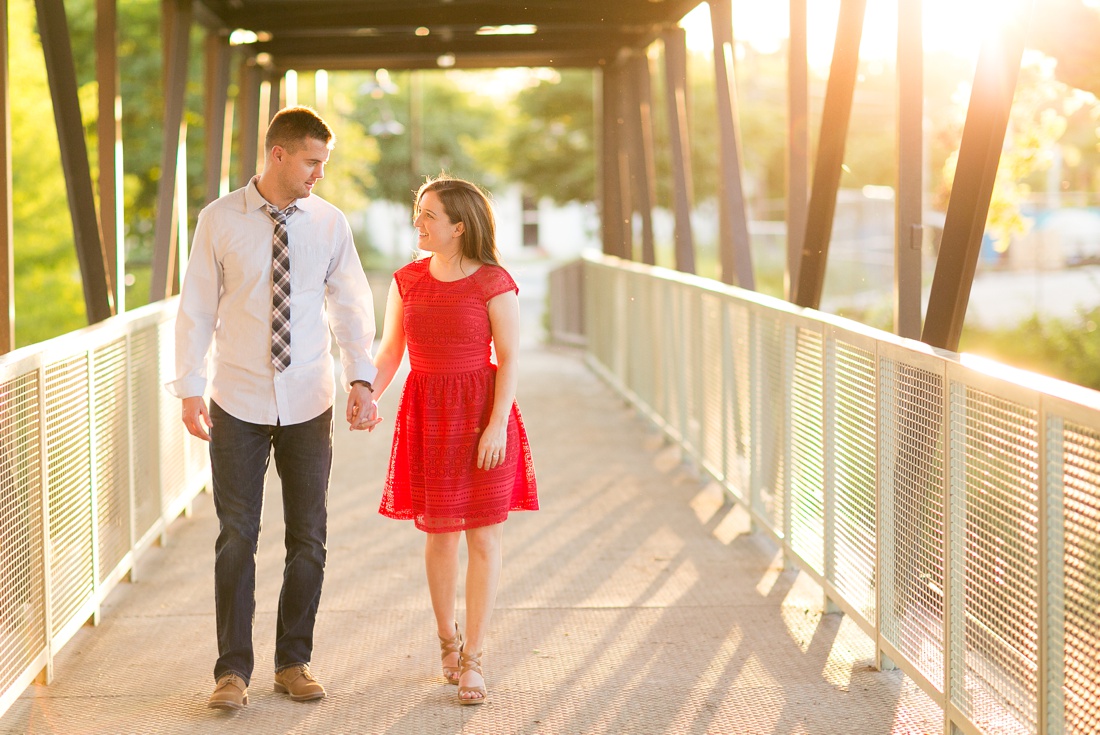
{"x":94,"y":464}
{"x":949,"y":505}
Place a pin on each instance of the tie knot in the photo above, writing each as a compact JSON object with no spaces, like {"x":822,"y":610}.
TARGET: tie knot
{"x":280,"y":216}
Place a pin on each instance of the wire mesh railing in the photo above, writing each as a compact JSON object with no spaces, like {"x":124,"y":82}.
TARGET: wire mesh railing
{"x":94,"y":464}
{"x":948,"y":504}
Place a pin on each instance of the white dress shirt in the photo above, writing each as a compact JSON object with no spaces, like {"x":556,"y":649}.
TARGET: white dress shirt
{"x":226,"y":300}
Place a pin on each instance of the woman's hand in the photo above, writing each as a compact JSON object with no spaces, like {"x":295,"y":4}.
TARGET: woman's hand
{"x":492,"y":447}
{"x":362,"y":411}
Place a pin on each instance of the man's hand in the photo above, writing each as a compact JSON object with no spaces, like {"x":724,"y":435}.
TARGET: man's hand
{"x":362,"y":410}
{"x":196,"y":418}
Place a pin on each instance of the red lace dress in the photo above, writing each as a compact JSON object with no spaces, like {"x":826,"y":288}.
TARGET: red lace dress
{"x":433,"y":477}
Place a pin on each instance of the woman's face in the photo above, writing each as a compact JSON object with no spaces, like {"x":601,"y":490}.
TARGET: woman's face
{"x":434,"y":229}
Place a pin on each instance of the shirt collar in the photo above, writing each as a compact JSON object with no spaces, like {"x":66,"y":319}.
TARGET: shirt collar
{"x":254,"y":200}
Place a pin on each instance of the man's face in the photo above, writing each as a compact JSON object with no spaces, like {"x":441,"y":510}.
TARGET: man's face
{"x":300,"y":170}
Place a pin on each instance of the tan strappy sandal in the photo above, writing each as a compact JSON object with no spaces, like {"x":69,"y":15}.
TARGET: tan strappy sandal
{"x":447,"y":646}
{"x":467,"y":662}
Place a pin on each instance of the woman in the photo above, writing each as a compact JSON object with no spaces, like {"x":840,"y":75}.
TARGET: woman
{"x":460,"y":460}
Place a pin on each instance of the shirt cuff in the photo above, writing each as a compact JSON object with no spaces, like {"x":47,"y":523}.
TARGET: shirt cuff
{"x":359,"y":371}
{"x":187,"y":387}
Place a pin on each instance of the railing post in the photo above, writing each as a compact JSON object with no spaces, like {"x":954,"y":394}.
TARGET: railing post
{"x":93,"y":484}
{"x":828,"y":465}
{"x":885,"y":537}
{"x":954,"y":518}
{"x":46,"y":676}
{"x":1052,"y":553}
{"x":788,"y":347}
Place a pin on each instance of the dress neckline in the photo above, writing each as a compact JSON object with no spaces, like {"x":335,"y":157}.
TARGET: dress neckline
{"x":428,"y":268}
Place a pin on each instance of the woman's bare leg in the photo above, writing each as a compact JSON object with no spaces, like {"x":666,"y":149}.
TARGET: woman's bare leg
{"x":482,"y":578}
{"x":441,"y":563}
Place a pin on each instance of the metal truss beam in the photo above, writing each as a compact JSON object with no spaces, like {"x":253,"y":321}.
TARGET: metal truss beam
{"x":7,"y":248}
{"x":971,"y":191}
{"x":57,"y":48}
{"x":675,"y":42}
{"x":734,"y":246}
{"x":177,"y":20}
{"x":830,"y":154}
{"x":798,"y":143}
{"x":217,"y":114}
{"x":611,"y":185}
{"x":109,"y":129}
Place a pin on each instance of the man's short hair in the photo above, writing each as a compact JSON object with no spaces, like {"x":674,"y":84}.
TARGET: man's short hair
{"x":291,"y":126}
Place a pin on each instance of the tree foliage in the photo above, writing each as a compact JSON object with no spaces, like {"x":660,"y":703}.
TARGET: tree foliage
{"x":48,"y":292}
{"x":419,"y":123}
{"x":551,"y":146}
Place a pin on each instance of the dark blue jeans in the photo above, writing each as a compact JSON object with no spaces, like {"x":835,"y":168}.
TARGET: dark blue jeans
{"x":239,"y":455}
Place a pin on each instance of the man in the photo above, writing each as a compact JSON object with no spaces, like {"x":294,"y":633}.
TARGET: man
{"x":271,"y":385}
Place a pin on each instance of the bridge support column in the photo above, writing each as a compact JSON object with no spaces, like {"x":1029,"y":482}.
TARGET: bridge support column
{"x":612,"y":222}
{"x":637,"y":99}
{"x":164,"y":281}
{"x":110,"y":148}
{"x":971,"y":191}
{"x":57,"y":48}
{"x":798,"y":143}
{"x":675,"y":42}
{"x":734,"y":251}
{"x":248,"y":103}
{"x":830,"y":153}
{"x":217,"y":114}
{"x":908,"y":200}
{"x":7,"y":251}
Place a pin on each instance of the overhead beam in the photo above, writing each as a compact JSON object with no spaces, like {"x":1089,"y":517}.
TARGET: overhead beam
{"x":836,"y":114}
{"x":61,"y":72}
{"x":318,"y":58}
{"x":283,"y":15}
{"x":734,"y":246}
{"x":177,"y":20}
{"x":608,"y":41}
{"x":972,"y":188}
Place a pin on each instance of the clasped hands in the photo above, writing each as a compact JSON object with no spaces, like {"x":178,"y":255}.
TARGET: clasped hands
{"x":362,"y":412}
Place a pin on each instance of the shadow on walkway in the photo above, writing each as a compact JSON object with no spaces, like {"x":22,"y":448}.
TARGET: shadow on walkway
{"x":635,"y":601}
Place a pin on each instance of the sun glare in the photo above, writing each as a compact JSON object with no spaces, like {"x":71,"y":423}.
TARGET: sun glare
{"x":950,"y":26}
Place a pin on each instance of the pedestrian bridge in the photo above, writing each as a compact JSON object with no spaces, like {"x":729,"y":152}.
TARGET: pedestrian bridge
{"x":756,"y":519}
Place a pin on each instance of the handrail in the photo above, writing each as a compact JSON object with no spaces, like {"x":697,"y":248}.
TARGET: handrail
{"x":94,"y":465}
{"x":948,"y":504}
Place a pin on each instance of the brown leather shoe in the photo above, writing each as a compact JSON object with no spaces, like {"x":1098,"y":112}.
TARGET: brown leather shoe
{"x":298,"y":683}
{"x":230,"y":692}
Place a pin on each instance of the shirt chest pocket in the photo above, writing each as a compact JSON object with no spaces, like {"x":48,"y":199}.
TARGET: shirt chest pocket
{"x":309,"y":262}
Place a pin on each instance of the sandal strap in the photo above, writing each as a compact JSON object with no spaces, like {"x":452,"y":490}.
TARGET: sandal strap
{"x":469,"y":662}
{"x":447,"y":646}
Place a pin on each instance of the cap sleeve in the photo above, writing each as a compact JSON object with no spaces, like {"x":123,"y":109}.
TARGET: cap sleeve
{"x":407,"y":275}
{"x":496,"y":281}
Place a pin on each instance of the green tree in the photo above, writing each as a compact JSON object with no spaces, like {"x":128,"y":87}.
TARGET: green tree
{"x":551,"y":145}
{"x":420,"y":123}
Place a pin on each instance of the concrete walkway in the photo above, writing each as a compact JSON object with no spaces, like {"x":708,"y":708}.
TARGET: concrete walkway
{"x":635,"y":601}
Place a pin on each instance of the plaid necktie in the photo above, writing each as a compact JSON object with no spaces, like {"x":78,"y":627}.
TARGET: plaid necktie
{"x":280,"y":289}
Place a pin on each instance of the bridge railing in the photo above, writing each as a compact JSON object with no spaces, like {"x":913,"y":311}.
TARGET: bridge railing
{"x":948,"y":504}
{"x":94,"y":464}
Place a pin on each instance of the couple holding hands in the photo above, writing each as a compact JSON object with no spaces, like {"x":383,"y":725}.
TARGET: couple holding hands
{"x":272,"y":272}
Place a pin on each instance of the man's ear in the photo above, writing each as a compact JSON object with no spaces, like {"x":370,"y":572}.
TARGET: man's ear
{"x":277,"y":152}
